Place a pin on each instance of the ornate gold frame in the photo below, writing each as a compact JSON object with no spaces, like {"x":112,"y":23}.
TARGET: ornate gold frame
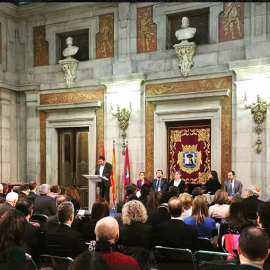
{"x":70,"y":97}
{"x":185,"y":87}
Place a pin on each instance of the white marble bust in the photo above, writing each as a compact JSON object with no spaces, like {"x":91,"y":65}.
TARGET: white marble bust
{"x":70,"y":50}
{"x":186,"y":32}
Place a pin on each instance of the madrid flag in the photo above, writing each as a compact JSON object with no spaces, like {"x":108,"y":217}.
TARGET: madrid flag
{"x":113,"y":176}
{"x":126,"y":175}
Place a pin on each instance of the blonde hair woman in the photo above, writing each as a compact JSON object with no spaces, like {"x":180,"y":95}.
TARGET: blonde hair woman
{"x":186,"y":200}
{"x":134,"y":231}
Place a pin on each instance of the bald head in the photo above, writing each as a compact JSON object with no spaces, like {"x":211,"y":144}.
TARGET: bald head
{"x":107,"y":230}
{"x":175,"y":207}
{"x":253,"y":190}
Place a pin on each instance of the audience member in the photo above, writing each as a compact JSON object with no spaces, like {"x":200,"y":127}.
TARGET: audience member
{"x":107,"y":233}
{"x":186,"y":200}
{"x":134,"y":231}
{"x":232,"y":186}
{"x":263,"y":219}
{"x":174,"y":232}
{"x":10,"y":202}
{"x":16,"y":189}
{"x":129,"y":189}
{"x":153,"y":201}
{"x":12,"y":245}
{"x":2,"y":197}
{"x":100,"y":209}
{"x":178,"y":182}
{"x":145,"y":190}
{"x":73,"y":194}
{"x":174,"y":191}
{"x":44,"y":204}
{"x":205,"y":226}
{"x":221,"y":208}
{"x":5,"y":189}
{"x":252,"y":249}
{"x":89,"y":261}
{"x":55,"y":190}
{"x":213,"y":184}
{"x":32,"y":233}
{"x":197,"y":191}
{"x":62,"y":240}
{"x":23,"y":191}
{"x":252,"y":202}
{"x":237,"y":219}
{"x":159,"y":184}
{"x":33,"y":189}
{"x":142,"y":181}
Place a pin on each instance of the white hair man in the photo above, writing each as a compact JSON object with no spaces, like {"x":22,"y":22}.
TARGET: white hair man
{"x":107,"y":233}
{"x":44,"y":204}
{"x":10,"y":203}
{"x":252,"y":202}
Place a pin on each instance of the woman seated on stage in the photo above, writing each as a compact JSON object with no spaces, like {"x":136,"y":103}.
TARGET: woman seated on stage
{"x":142,"y":181}
{"x":205,"y":226}
{"x":213,"y":184}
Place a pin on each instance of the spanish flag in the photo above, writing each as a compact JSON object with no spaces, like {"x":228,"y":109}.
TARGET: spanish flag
{"x":113,"y":175}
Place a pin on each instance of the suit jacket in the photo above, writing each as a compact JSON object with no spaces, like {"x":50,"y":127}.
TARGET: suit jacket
{"x":45,"y":205}
{"x":107,"y":173}
{"x":237,"y":187}
{"x":252,"y":203}
{"x":52,"y":222}
{"x":181,"y":186}
{"x":163,"y":185}
{"x":33,"y":195}
{"x":176,"y":234}
{"x":246,"y":267}
{"x":63,"y":241}
{"x":4,"y":207}
{"x":2,"y":198}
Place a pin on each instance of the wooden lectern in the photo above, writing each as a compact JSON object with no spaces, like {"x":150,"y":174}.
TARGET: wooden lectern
{"x":92,"y":189}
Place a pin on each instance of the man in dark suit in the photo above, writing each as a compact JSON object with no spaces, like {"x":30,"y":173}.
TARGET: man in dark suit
{"x":44,"y":204}
{"x":232,"y":186}
{"x":174,"y":232}
{"x":263,"y":219}
{"x":104,"y":169}
{"x":33,"y":189}
{"x":32,"y":233}
{"x":178,"y":182}
{"x":252,"y":249}
{"x":252,"y":202}
{"x":160,"y":184}
{"x":10,"y":202}
{"x":62,"y":240}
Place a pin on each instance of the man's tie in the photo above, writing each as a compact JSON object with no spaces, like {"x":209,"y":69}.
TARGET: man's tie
{"x":158,"y":183}
{"x":230,"y":189}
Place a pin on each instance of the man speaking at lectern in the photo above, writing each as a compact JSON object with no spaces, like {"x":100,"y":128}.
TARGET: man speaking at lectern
{"x":104,"y":169}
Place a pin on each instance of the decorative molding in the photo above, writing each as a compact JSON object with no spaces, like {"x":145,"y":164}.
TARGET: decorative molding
{"x":190,"y":87}
{"x":67,"y":98}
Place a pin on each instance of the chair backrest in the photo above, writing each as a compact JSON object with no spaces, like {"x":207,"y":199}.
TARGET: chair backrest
{"x":140,"y":254}
{"x":55,"y":262}
{"x":173,"y":258}
{"x":205,"y":244}
{"x":41,"y":219}
{"x":221,"y":260}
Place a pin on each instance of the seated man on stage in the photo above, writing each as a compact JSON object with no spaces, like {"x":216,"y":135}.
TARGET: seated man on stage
{"x":233,"y":186}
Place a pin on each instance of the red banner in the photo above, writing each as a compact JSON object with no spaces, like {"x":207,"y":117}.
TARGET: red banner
{"x":190,"y":152}
{"x":126,"y":175}
{"x":113,"y":176}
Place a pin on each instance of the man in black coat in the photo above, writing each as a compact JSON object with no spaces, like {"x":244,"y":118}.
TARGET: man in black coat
{"x":104,"y":169}
{"x":62,"y":240}
{"x":10,"y":202}
{"x":33,"y":190}
{"x":174,"y":232}
{"x":44,"y":204}
{"x":263,"y":219}
{"x":159,"y":184}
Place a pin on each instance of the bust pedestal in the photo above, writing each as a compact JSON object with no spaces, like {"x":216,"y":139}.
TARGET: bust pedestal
{"x":69,"y":67}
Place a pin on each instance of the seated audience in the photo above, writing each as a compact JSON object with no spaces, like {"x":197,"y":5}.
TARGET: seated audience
{"x":142,"y":181}
{"x":153,"y":201}
{"x":213,"y":184}
{"x":62,"y":240}
{"x":16,"y":189}
{"x":44,"y":204}
{"x":33,"y":189}
{"x":186,"y":200}
{"x":263,"y":219}
{"x":205,"y":226}
{"x":11,"y":199}
{"x":2,"y":196}
{"x":174,"y":191}
{"x":130,"y":189}
{"x":73,"y":194}
{"x":12,"y":245}
{"x":197,"y":191}
{"x":252,"y":201}
{"x":237,"y":219}
{"x":178,"y":182}
{"x":252,"y":249}
{"x":134,"y":231}
{"x":221,"y":208}
{"x":5,"y":189}
{"x":89,"y":261}
{"x":24,"y":191}
{"x":145,"y":190}
{"x":100,"y":209}
{"x":32,"y":233}
{"x":107,"y":234}
{"x":174,"y":232}
{"x":55,"y":190}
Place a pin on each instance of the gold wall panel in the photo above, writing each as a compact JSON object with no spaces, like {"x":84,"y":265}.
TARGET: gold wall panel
{"x":185,"y":87}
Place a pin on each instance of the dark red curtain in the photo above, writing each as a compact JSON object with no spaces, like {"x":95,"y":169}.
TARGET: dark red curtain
{"x":190,"y":152}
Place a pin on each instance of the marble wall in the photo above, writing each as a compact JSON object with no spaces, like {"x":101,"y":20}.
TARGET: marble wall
{"x":124,"y":78}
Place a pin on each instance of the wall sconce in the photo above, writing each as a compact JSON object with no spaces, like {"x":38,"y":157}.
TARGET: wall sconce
{"x":123,"y":118}
{"x":259,"y":110}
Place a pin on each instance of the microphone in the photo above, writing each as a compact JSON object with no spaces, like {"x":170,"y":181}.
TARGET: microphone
{"x":93,"y":168}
